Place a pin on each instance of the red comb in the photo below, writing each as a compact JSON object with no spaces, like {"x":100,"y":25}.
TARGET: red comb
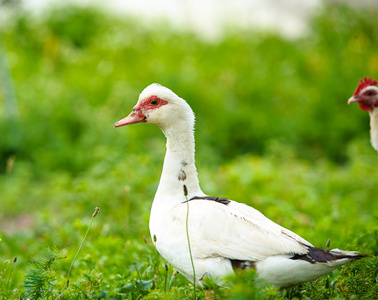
{"x":363,"y":84}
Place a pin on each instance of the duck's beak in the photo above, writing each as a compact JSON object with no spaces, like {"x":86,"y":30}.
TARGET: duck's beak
{"x":136,"y":116}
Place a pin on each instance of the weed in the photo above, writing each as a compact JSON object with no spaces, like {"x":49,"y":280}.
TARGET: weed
{"x":41,"y":276}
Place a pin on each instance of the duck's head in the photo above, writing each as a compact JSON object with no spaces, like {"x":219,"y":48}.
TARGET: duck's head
{"x":159,"y":106}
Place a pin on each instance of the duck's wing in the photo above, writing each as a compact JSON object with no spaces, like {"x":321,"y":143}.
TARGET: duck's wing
{"x":236,"y":231}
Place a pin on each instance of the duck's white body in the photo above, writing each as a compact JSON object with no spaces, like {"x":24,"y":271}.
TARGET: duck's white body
{"x":223,"y":234}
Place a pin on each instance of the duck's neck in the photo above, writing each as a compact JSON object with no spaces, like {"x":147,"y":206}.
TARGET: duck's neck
{"x":179,"y":166}
{"x":374,"y":128}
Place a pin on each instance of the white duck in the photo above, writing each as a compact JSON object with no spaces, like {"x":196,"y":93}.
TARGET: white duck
{"x":224,"y":234}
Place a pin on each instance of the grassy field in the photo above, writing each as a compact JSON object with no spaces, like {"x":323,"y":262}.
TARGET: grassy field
{"x":273,"y":131}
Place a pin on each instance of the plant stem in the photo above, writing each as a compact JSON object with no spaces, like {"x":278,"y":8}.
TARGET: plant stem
{"x":166,"y":278}
{"x":10,"y":273}
{"x":97,"y":209}
{"x":187,"y":235}
{"x":156,"y":262}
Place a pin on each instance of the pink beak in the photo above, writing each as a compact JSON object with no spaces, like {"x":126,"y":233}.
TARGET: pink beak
{"x":136,"y":116}
{"x":353,"y":99}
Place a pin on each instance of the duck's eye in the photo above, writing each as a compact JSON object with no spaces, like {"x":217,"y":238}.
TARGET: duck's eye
{"x":154,"y":102}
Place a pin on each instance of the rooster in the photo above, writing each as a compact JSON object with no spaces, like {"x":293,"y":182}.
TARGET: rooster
{"x":366,"y":95}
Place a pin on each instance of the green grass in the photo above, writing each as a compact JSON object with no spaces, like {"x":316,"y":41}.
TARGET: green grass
{"x":273,"y":131}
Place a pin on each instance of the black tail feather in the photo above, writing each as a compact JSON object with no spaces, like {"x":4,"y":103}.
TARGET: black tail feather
{"x":315,"y":255}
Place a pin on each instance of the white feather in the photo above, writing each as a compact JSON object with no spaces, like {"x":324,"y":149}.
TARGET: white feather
{"x":374,"y":128}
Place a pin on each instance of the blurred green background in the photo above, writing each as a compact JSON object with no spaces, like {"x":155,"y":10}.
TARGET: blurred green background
{"x":272,"y":123}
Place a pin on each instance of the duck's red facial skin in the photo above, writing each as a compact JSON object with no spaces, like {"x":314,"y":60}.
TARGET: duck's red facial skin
{"x":137,"y":115}
{"x":151,"y":102}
